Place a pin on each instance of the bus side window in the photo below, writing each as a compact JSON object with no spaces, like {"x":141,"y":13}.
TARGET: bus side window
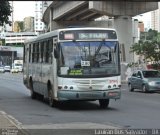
{"x":47,"y":51}
{"x":29,"y":53}
{"x":42,"y":49}
{"x":56,"y":48}
{"x":50,"y":50}
{"x":37,"y":53}
{"x":24,"y":53}
{"x":33,"y":53}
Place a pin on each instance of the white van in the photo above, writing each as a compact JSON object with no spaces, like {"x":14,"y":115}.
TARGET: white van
{"x":18,"y":64}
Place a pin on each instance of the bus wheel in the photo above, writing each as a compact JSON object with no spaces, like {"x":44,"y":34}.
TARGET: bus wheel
{"x":50,"y":99}
{"x":33,"y":94}
{"x":103,"y":103}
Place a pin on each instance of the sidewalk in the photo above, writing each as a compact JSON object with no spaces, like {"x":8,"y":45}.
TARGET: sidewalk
{"x":8,"y":126}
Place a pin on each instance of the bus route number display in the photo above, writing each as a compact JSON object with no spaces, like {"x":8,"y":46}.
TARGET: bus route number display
{"x":85,"y":63}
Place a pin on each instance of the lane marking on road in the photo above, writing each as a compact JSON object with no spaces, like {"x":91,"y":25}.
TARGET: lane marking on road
{"x":72,"y":125}
{"x":124,"y":89}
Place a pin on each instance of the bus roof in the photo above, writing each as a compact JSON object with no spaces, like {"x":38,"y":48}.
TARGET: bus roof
{"x":52,"y":33}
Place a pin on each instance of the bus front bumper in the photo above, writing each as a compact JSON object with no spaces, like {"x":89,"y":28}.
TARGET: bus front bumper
{"x":89,"y":95}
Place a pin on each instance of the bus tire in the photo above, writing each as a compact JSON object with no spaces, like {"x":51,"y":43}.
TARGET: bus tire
{"x":33,"y":94}
{"x":103,"y":103}
{"x":50,"y":98}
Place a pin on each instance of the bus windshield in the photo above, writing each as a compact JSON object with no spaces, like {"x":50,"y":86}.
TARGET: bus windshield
{"x":18,"y":64}
{"x":99,"y":58}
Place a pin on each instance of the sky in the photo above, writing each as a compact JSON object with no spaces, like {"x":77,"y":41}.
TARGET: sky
{"x":24,"y":9}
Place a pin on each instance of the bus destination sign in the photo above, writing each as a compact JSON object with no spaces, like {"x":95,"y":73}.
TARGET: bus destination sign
{"x":87,"y":34}
{"x":93,"y":36}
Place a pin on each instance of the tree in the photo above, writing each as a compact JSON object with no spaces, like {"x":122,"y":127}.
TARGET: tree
{"x":158,"y":37}
{"x":150,"y":35}
{"x":18,"y":26}
{"x":149,"y":49}
{"x":5,"y":12}
{"x":21,"y":25}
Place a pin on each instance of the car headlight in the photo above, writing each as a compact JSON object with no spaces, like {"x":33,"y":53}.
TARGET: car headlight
{"x":152,"y":83}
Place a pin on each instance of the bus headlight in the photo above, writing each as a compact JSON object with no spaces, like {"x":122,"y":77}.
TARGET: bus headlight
{"x":65,"y":87}
{"x":59,"y":87}
{"x":152,"y":83}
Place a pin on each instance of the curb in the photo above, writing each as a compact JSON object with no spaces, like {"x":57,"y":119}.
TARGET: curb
{"x":9,"y":125}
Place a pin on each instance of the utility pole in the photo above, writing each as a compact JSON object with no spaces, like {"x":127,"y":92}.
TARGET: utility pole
{"x":12,"y":17}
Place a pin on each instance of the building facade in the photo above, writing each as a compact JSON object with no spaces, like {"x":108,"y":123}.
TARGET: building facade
{"x":141,"y":26}
{"x":29,"y":24}
{"x":39,"y":25}
{"x":13,"y":47}
{"x":155,"y":19}
{"x":16,"y":27}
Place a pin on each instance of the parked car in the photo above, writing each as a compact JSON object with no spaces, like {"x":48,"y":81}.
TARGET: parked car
{"x":145,"y":80}
{"x":2,"y":69}
{"x":7,"y":68}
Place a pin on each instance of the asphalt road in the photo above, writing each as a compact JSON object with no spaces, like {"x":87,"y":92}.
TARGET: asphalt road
{"x":134,"y":110}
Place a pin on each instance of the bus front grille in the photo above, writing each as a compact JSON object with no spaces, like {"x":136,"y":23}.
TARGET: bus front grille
{"x":90,"y":84}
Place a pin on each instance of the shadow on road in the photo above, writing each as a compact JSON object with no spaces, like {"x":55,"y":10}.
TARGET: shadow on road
{"x":81,"y":106}
{"x":76,"y":105}
{"x":151,"y":92}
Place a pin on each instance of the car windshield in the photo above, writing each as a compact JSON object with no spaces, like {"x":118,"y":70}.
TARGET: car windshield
{"x":7,"y":66}
{"x":148,"y":74}
{"x":18,"y":64}
{"x":89,"y":58}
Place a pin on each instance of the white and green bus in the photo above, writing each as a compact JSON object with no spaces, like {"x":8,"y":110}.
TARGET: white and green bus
{"x":74,"y":64}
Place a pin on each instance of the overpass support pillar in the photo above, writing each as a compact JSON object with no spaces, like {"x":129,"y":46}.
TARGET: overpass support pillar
{"x":123,"y":26}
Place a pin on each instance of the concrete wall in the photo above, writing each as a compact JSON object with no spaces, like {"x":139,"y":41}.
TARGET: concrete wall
{"x":66,"y":6}
{"x":65,"y":24}
{"x":123,"y":25}
{"x":122,"y":8}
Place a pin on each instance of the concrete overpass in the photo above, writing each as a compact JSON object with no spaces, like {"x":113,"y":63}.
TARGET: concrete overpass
{"x":60,"y":14}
